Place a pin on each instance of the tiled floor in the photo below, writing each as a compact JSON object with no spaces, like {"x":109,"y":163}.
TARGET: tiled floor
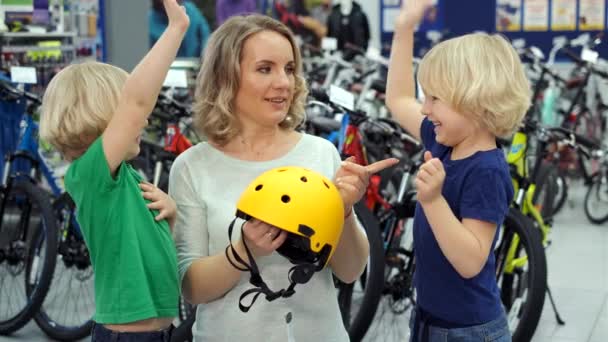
{"x":578,"y":277}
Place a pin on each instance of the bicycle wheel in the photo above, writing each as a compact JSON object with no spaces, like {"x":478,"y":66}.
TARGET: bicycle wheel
{"x":28,"y":227}
{"x":398,"y":297}
{"x":546,"y":188}
{"x":561,"y":194}
{"x":359,"y":301}
{"x":522,"y":278}
{"x":66,"y":313}
{"x":596,"y":199}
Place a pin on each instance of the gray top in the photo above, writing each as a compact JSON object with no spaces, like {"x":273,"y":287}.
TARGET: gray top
{"x":206,"y":185}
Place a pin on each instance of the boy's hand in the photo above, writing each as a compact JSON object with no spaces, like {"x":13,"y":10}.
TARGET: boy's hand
{"x":352,"y":179}
{"x":429,"y":180}
{"x":159,"y":201}
{"x":412,"y":12}
{"x":176,"y":14}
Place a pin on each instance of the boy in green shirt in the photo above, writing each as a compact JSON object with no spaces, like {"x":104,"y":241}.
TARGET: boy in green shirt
{"x":94,"y":113}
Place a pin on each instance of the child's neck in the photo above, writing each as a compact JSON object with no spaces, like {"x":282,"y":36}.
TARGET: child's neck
{"x":481,"y":141}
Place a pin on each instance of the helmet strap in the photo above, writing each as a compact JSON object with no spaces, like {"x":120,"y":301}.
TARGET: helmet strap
{"x":299,"y":274}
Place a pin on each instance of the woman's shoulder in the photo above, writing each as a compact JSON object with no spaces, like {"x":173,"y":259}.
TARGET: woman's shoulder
{"x":314,"y":142}
{"x":196,"y":156}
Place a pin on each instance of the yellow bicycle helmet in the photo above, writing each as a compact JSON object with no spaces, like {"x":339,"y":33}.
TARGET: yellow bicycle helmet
{"x":302,"y":202}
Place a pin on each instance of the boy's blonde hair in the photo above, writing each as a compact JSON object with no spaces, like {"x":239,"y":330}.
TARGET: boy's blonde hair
{"x":79,"y":103}
{"x":480,"y":76}
{"x":219,"y":78}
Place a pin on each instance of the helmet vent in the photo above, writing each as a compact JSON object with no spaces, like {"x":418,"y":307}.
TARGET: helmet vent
{"x":282,"y":170}
{"x":327,"y":186}
{"x":259,"y":187}
{"x":285,"y":199}
{"x":304,"y":179}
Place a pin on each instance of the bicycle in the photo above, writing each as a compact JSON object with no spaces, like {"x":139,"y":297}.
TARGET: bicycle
{"x":28,"y":230}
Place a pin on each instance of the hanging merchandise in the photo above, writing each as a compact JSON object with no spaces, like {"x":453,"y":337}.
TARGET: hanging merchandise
{"x":348,"y":24}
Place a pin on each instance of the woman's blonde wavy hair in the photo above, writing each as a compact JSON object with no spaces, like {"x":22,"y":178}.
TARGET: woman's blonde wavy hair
{"x":480,"y":76}
{"x":218,"y":79}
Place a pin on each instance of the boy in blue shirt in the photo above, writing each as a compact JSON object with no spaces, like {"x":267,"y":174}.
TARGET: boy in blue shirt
{"x":476,"y":90}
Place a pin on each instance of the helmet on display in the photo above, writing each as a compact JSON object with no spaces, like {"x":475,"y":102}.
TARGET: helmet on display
{"x":303,"y":203}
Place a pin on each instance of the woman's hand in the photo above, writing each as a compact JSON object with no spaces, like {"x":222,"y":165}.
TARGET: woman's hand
{"x":261,"y":238}
{"x":352,"y":179}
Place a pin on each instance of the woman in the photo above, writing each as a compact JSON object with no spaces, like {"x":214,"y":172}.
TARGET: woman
{"x":249,"y":100}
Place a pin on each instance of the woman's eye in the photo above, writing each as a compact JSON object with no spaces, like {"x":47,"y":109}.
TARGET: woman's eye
{"x":264,"y":70}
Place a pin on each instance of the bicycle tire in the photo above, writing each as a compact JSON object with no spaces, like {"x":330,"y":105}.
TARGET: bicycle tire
{"x":530,"y":240}
{"x":595,"y":189}
{"x":39,"y":198}
{"x":374,"y":280}
{"x":561,"y":193}
{"x":546,"y":181}
{"x":50,"y":326}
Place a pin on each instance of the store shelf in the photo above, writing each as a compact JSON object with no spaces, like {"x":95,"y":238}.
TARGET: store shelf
{"x":33,"y":48}
{"x":37,"y":35}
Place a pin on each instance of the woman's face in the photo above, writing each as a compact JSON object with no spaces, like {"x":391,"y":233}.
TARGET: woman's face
{"x":267,"y":79}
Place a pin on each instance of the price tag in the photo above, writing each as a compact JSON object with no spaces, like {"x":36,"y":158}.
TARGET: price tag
{"x":176,"y":78}
{"x":589,"y":55}
{"x":329,"y":43}
{"x":342,"y":97}
{"x":24,"y":75}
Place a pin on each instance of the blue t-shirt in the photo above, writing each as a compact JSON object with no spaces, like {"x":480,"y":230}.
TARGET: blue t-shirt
{"x":477,"y":187}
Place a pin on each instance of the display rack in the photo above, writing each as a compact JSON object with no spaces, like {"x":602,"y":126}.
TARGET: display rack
{"x":77,"y":35}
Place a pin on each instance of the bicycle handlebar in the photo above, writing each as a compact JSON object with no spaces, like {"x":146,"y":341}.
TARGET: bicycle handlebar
{"x":20,"y":93}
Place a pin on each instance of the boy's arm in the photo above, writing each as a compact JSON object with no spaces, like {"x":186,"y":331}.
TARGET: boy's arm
{"x":400,"y":90}
{"x":467,"y":244}
{"x":141,"y":89}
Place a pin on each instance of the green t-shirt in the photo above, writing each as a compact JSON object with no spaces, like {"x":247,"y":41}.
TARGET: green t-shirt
{"x":133,"y":256}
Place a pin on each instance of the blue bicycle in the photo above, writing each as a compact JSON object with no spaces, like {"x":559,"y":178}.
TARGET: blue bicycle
{"x":68,"y":307}
{"x":27,"y":233}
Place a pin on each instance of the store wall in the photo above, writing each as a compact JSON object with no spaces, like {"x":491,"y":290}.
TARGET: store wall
{"x":372,"y":10}
{"x":126,"y":32}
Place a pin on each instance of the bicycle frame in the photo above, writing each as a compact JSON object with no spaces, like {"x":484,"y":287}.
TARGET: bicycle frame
{"x":523,"y":184}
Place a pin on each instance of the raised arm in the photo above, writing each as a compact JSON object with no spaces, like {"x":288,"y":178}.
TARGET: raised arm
{"x":401,"y":87}
{"x":141,"y":89}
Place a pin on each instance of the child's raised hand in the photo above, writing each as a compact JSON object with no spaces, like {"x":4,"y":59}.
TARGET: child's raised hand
{"x":352,"y":179}
{"x":429,"y":180}
{"x":176,"y":14}
{"x":159,"y":200}
{"x":412,"y":11}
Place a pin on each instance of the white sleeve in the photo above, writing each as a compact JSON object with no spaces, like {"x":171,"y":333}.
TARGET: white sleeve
{"x":190,"y":233}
